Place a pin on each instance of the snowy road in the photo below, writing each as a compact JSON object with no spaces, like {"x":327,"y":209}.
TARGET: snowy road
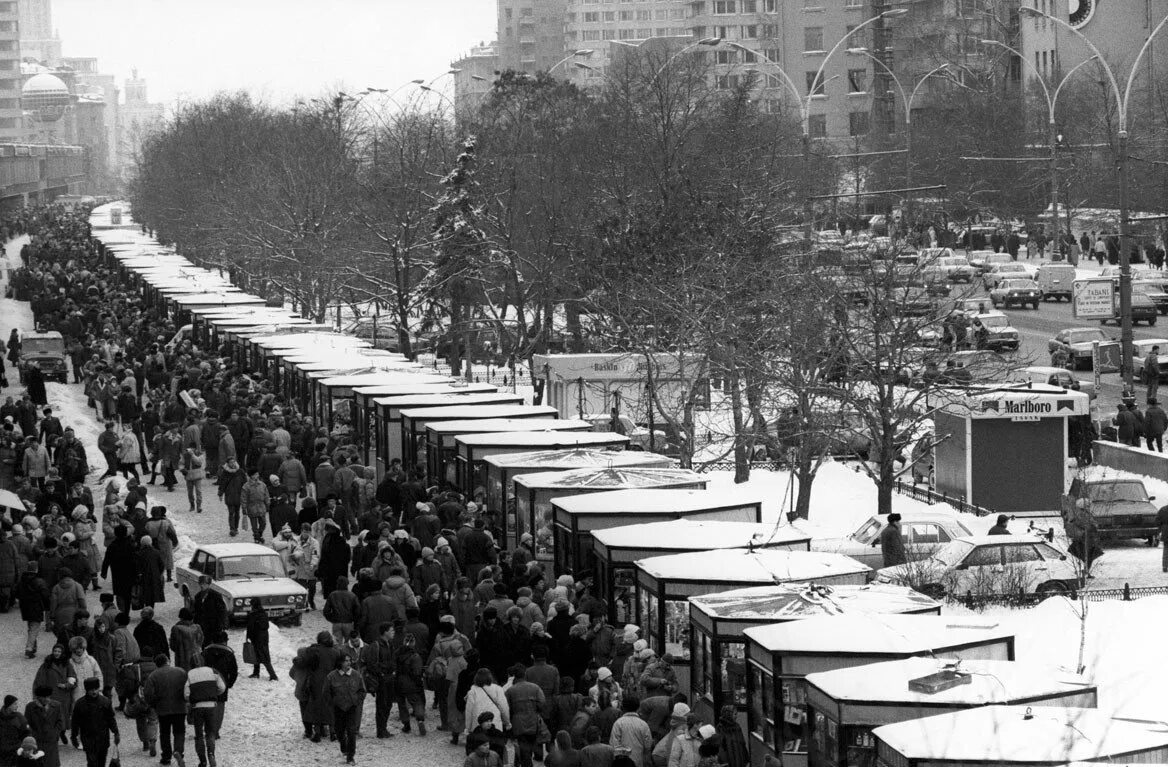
{"x":262,"y":719}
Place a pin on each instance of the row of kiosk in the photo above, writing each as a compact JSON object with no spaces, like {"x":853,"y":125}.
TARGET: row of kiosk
{"x":824,"y":667}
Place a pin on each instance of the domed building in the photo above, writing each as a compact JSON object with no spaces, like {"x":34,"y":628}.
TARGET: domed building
{"x":46,"y":97}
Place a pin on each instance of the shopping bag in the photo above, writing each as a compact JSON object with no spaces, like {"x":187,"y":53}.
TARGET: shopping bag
{"x":249,"y":655}
{"x":117,"y":760}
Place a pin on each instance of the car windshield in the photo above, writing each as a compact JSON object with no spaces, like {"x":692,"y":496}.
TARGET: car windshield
{"x":953,"y":552}
{"x":1011,"y":268}
{"x":954,"y":261}
{"x":252,"y":565}
{"x":1117,"y":491}
{"x":868,"y":531}
{"x":994,"y":321}
{"x":1083,"y":336}
{"x":1021,"y":285}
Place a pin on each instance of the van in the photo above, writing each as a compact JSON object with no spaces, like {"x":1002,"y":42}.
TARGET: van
{"x":1055,"y":281}
{"x":47,"y":352}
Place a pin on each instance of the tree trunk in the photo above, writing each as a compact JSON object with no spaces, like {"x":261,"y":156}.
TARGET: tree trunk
{"x":886,"y":482}
{"x":805,"y":475}
{"x":741,"y":454}
{"x":453,"y":357}
{"x":575,"y":332}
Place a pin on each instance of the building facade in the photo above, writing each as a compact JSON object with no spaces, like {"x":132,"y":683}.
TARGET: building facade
{"x":530,"y":34}
{"x":600,"y":25}
{"x":138,"y":118}
{"x":474,"y":76}
{"x":38,"y":40}
{"x":10,"y":80}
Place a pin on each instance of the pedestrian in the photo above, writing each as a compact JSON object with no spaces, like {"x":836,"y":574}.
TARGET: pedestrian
{"x":526,"y":702}
{"x":631,"y":736}
{"x":378,"y":664}
{"x":342,"y":609}
{"x":231,"y":482}
{"x":732,"y":749}
{"x":1151,"y":372}
{"x":164,"y":537}
{"x":409,"y":683}
{"x":129,"y":453}
{"x":194,"y":469}
{"x":257,"y":634}
{"x":93,"y":721}
{"x":56,"y":675}
{"x":344,"y":692}
{"x":46,"y":723}
{"x":448,"y":661}
{"x":186,"y":639}
{"x":596,"y":753}
{"x":201,"y":691}
{"x":1001,"y":527}
{"x":219,"y":656}
{"x":1127,"y":425}
{"x":1155,"y":424}
{"x":562,"y":753}
{"x":210,"y":610}
{"x":164,"y":690}
{"x":305,"y":558}
{"x":149,"y":566}
{"x":892,"y":542}
{"x":254,"y":500}
{"x":32,"y":593}
{"x":320,"y":660}
{"x":13,"y":730}
{"x":120,"y":564}
{"x":486,"y":696}
{"x":483,"y":756}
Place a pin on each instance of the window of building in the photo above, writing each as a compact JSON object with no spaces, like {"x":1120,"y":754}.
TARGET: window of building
{"x":591,"y":17}
{"x":507,"y":14}
{"x":525,"y":12}
{"x":772,"y":53}
{"x":769,"y":30}
{"x":720,"y":32}
{"x":853,"y":3}
{"x":967,"y":8}
{"x":627,"y":34}
{"x":644,"y":15}
{"x":749,"y":31}
{"x":625,"y":15}
{"x":644,"y":34}
{"x":677,"y":13}
{"x":727,"y":82}
{"x":590,"y":34}
{"x":771,"y":80}
{"x":661,"y":14}
{"x":770,"y":6}
{"x":722,"y":7}
{"x":749,"y":57}
{"x":608,"y":16}
{"x":1043,"y":68}
{"x":813,"y":5}
{"x":812,"y":39}
{"x":857,"y":80}
{"x":699,"y":32}
{"x":750,"y":6}
{"x":698,"y":8}
{"x":817,"y":126}
{"x":815,"y":83}
{"x":858,"y":123}
{"x":723,"y":57}
{"x":608,"y":34}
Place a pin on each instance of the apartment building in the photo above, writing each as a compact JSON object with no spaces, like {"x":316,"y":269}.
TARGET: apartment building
{"x":11,"y":128}
{"x":473,"y":75}
{"x":530,"y":34}
{"x":598,"y":25}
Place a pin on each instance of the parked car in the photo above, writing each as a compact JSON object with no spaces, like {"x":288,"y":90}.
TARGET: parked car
{"x":923,"y":531}
{"x":45,"y":351}
{"x":1055,"y":281}
{"x":990,"y":564}
{"x":638,"y":435}
{"x":992,"y":330}
{"x":1156,"y":290}
{"x":1052,"y":376}
{"x":1109,"y":508}
{"x":1140,"y":349}
{"x":1076,"y":344}
{"x":1018,"y":292}
{"x":240,"y":571}
{"x":955,"y":268}
{"x":1143,"y":309}
{"x":1008,"y":271}
{"x":385,"y":332}
{"x":911,"y":302}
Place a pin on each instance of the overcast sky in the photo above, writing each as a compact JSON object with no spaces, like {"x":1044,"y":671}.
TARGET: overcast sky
{"x":277,"y":49}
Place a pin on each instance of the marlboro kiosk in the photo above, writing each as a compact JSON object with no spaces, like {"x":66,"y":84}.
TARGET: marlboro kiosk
{"x":985,"y":433}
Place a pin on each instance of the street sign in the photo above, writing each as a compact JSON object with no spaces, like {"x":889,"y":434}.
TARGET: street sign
{"x":1093,"y":299}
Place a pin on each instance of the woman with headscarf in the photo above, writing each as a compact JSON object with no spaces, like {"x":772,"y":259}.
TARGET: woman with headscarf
{"x":82,"y":666}
{"x":161,"y":531}
{"x":102,"y":650}
{"x":561,"y":753}
{"x":13,"y":729}
{"x":83,"y":530}
{"x":732,"y":750}
{"x":149,"y":566}
{"x":55,"y":674}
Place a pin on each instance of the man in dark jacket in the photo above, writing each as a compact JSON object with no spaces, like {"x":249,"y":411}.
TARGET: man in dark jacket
{"x":1001,"y":528}
{"x":1155,"y":424}
{"x":149,"y":633}
{"x":378,"y":664}
{"x":342,"y":609}
{"x":210,"y":610}
{"x":526,"y":702}
{"x":334,"y":556}
{"x":33,"y":594}
{"x":165,"y":692}
{"x":478,"y":550}
{"x":93,"y":721}
{"x":120,"y":562}
{"x":892,"y":543}
{"x":1127,"y":424}
{"x":219,"y":656}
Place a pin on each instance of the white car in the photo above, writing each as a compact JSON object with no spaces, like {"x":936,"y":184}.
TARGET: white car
{"x":993,"y":330}
{"x":1008,"y":271}
{"x":990,"y":564}
{"x":240,"y":571}
{"x":1140,"y":350}
{"x":1015,"y":291}
{"x":923,"y":531}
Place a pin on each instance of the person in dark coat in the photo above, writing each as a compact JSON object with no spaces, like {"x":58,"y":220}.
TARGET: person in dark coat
{"x":33,"y":594}
{"x":334,"y":557}
{"x":150,"y":569}
{"x":93,"y":721}
{"x":892,"y":542}
{"x":320,"y":660}
{"x":150,"y":633}
{"x":46,"y":723}
{"x":1127,"y":424}
{"x":34,"y":381}
{"x":257,"y":634}
{"x":1002,"y":526}
{"x":210,"y":610}
{"x":493,"y":644}
{"x":120,"y":562}
{"x":219,"y":656}
{"x":732,"y":750}
{"x":13,"y":729}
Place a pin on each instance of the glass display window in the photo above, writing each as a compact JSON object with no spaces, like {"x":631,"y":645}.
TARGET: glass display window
{"x":762,"y":705}
{"x":702,"y":668}
{"x":677,"y":631}
{"x":793,"y":719}
{"x":859,"y":746}
{"x":648,"y":618}
{"x":733,"y":656}
{"x":543,"y":529}
{"x":522,"y":510}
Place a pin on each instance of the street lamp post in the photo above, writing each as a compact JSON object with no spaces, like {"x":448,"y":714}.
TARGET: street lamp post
{"x":907,"y":101}
{"x":1122,"y":99}
{"x":805,"y":108}
{"x":1052,"y":136}
{"x":574,"y":54}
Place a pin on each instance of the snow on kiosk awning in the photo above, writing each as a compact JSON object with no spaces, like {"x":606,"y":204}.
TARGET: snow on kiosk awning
{"x":1025,"y":735}
{"x":472,"y":450}
{"x":1014,"y":401}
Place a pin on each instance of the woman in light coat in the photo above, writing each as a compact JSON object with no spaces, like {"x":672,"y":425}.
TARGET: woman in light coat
{"x":82,"y":666}
{"x":484,"y":695}
{"x":129,"y":454}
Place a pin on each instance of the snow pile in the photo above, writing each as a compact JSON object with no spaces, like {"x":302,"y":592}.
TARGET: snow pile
{"x":1122,"y":648}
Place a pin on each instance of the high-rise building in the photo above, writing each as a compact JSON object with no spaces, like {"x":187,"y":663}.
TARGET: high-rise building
{"x":597,"y":25}
{"x":530,"y":34}
{"x":10,"y":79}
{"x":98,"y":93}
{"x":38,"y":40}
{"x":474,"y":76}
{"x":138,"y":118}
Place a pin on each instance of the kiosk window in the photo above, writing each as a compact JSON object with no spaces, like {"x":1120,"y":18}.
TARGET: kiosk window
{"x":702,"y":661}
{"x":733,"y":673}
{"x":677,"y":630}
{"x":762,"y":705}
{"x":648,"y":617}
{"x":794,"y":715}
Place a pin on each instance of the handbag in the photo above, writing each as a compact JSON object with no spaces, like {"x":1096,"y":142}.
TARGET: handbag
{"x":249,"y":653}
{"x":117,"y":760}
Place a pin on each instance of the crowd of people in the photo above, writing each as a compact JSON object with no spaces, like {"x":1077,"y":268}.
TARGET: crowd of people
{"x":424,"y":609}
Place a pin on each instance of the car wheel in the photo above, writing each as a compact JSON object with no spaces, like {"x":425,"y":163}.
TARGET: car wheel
{"x":1151,"y":321}
{"x":1052,"y":589}
{"x":1034,"y":305}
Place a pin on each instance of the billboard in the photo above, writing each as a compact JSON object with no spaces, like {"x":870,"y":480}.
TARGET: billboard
{"x":1093,"y":299}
